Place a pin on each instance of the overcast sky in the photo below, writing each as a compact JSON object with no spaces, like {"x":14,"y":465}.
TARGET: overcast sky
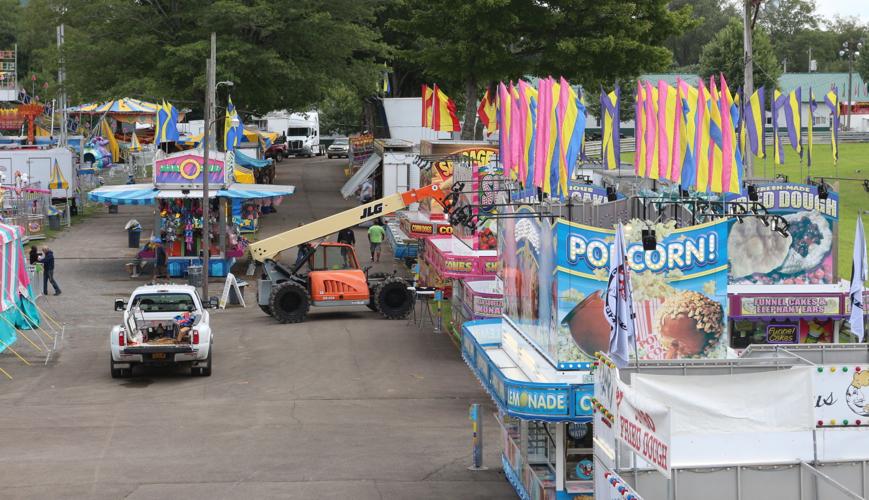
{"x":844,"y":8}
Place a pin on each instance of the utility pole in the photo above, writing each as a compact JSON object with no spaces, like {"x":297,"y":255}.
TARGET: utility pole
{"x":61,"y":83}
{"x":207,"y":133}
{"x":851,"y":50}
{"x":748,"y":85}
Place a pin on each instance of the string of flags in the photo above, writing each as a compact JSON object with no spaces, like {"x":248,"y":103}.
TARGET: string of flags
{"x":542,"y":131}
{"x":694,"y":136}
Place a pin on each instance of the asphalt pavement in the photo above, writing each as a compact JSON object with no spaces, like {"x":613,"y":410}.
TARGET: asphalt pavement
{"x":345,"y":405}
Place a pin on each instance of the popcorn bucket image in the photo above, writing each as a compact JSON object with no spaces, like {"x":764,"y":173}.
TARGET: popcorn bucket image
{"x":648,"y":342}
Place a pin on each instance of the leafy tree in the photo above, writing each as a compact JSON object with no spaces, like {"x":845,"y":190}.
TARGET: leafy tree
{"x":724,"y":54}
{"x":464,"y":44}
{"x":471,"y":43}
{"x":340,"y":111}
{"x":708,"y":18}
{"x":281,"y":54}
{"x":783,"y":19}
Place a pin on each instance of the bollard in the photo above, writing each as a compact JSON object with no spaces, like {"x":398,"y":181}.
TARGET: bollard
{"x":477,"y":440}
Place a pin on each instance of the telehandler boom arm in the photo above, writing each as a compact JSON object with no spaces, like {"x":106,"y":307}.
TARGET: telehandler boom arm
{"x":268,"y":248}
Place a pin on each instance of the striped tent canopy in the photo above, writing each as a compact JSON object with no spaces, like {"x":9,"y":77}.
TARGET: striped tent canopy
{"x":126,"y":105}
{"x":127,"y":194}
{"x":12,"y":270}
{"x":57,"y":180}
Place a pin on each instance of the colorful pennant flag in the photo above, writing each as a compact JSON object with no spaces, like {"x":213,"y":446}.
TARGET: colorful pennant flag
{"x":811,"y":126}
{"x":793,"y":120}
{"x":832,"y":100}
{"x":427,"y":106}
{"x":610,"y":141}
{"x":702,"y":142}
{"x":755,"y":123}
{"x":777,"y":103}
{"x":107,"y":134}
{"x":167,"y":124}
{"x":232,"y":135}
{"x":487,"y":111}
{"x":505,"y":109}
{"x":528,"y":98}
{"x":639,"y":130}
{"x":135,"y":145}
{"x":444,"y":117}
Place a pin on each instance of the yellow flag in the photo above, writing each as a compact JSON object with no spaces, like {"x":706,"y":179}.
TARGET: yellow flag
{"x":107,"y":134}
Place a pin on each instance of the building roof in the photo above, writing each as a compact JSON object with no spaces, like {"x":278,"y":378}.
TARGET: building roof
{"x":823,"y":82}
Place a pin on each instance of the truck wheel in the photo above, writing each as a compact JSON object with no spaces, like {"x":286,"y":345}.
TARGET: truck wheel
{"x":373,"y":289}
{"x":289,"y":302}
{"x":394,"y":300}
{"x":266,"y":309}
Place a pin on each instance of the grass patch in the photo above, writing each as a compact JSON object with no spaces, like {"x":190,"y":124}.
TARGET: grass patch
{"x":853,"y":199}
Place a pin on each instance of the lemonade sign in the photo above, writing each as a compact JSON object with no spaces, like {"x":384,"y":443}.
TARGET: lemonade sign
{"x":538,"y":401}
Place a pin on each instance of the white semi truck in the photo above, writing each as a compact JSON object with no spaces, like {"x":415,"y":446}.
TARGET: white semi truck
{"x":302,"y":131}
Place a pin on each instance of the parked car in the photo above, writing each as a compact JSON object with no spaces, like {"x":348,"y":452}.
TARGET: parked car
{"x":339,"y":148}
{"x":279,"y":150}
{"x":162,"y":325}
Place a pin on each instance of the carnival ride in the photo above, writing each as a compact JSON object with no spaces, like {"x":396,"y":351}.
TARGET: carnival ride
{"x":334,"y":277}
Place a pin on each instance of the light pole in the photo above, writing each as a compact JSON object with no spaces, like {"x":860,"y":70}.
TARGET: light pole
{"x":851,"y":50}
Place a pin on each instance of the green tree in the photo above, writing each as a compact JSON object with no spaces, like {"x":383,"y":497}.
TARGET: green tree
{"x":340,"y":111}
{"x":464,"y":44}
{"x":471,"y":43}
{"x":281,"y":54}
{"x":724,"y":54}
{"x":708,"y":18}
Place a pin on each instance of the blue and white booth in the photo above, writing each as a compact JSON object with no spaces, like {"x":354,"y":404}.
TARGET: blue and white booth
{"x":545,"y":413}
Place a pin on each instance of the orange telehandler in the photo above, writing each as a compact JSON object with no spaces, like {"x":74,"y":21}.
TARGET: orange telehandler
{"x":333,"y":276}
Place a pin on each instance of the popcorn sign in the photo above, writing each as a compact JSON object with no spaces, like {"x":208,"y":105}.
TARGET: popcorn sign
{"x":679,"y":288}
{"x":695,"y":251}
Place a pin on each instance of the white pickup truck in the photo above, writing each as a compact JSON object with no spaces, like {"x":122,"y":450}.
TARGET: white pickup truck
{"x":162,"y":325}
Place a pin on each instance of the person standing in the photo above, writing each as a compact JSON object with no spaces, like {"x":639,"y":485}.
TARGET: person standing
{"x":34,"y":255}
{"x":48,"y":271}
{"x":376,"y":234}
{"x":348,"y":237}
{"x":160,"y":259}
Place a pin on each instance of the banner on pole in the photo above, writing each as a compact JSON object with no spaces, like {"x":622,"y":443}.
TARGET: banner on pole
{"x":644,"y":426}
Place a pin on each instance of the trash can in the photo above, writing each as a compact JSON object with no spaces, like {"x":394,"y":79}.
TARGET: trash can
{"x":54,"y":222}
{"x":113,"y":209}
{"x":194,"y":275}
{"x":133,"y":237}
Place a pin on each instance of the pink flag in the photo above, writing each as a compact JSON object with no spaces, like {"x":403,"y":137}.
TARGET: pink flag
{"x":504,"y":128}
{"x":676,"y":156}
{"x":727,"y":158}
{"x":663,"y":142}
{"x":639,"y":134}
{"x":516,"y":136}
{"x":651,"y":133}
{"x":544,"y":106}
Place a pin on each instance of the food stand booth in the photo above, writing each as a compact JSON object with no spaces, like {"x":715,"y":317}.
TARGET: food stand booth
{"x":178,"y":196}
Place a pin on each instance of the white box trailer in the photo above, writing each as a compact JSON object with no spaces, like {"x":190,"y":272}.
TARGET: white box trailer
{"x":403,"y":118}
{"x":400,"y":172}
{"x":302,"y":130}
{"x":37,"y":165}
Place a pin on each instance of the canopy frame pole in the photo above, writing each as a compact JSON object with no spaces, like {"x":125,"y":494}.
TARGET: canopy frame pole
{"x":10,"y":349}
